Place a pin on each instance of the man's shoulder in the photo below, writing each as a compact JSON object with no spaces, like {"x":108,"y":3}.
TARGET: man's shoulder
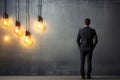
{"x":81,"y":29}
{"x":92,"y":29}
{"x":87,"y":28}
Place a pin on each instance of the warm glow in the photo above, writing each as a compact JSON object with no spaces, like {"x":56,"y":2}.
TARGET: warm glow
{"x":40,"y":26}
{"x":18,"y":31}
{"x":6,"y":22}
{"x":6,"y":38}
{"x":28,"y":41}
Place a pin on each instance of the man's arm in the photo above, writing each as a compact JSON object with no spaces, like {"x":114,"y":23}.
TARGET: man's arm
{"x":95,"y":39}
{"x":78,"y":38}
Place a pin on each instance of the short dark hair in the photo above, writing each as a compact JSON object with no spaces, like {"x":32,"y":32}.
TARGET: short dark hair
{"x":87,"y":21}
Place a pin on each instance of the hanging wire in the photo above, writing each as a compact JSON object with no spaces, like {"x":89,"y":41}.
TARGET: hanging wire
{"x":17,"y":9}
{"x":40,"y":8}
{"x":27,"y":16}
{"x":5,"y":4}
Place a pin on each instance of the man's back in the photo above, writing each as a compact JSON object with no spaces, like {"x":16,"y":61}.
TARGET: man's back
{"x":85,"y":38}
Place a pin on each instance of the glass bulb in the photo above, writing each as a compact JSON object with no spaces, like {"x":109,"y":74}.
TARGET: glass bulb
{"x":40,"y":26}
{"x":6,"y":22}
{"x":18,"y":31}
{"x":28,"y":41}
{"x":6,"y":38}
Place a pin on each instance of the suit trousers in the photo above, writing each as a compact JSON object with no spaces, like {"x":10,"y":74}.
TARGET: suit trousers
{"x":86,"y":54}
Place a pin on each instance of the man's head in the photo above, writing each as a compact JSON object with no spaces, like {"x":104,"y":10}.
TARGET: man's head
{"x":87,"y":21}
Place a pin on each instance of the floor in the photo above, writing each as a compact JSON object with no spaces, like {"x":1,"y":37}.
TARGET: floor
{"x":57,"y":78}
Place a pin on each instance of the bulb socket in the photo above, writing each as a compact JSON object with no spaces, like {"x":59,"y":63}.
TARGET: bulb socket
{"x":27,"y":33}
{"x":5,"y":15}
{"x":40,"y":18}
{"x":17,"y":23}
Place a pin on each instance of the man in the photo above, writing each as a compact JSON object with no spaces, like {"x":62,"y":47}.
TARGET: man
{"x":86,"y":40}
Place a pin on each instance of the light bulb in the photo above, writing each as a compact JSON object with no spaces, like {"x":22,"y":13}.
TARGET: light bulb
{"x":5,"y":21}
{"x":40,"y":26}
{"x":27,"y":40}
{"x":18,"y":31}
{"x":6,"y":38}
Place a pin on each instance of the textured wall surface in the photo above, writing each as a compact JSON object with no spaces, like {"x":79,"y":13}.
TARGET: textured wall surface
{"x":55,"y":51}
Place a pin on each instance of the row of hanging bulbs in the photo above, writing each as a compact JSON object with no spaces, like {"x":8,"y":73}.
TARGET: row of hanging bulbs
{"x":18,"y":30}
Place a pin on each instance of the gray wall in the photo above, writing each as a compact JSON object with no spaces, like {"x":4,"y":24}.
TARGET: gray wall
{"x":55,"y":51}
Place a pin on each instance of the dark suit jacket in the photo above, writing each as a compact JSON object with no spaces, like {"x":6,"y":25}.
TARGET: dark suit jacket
{"x":87,"y":38}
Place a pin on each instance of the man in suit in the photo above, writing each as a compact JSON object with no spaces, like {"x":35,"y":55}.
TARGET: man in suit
{"x":86,"y":40}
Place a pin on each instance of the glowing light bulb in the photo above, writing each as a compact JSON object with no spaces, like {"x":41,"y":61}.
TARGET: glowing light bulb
{"x":27,"y":40}
{"x":40,"y":26}
{"x":5,"y":21}
{"x":18,"y":31}
{"x":6,"y":38}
